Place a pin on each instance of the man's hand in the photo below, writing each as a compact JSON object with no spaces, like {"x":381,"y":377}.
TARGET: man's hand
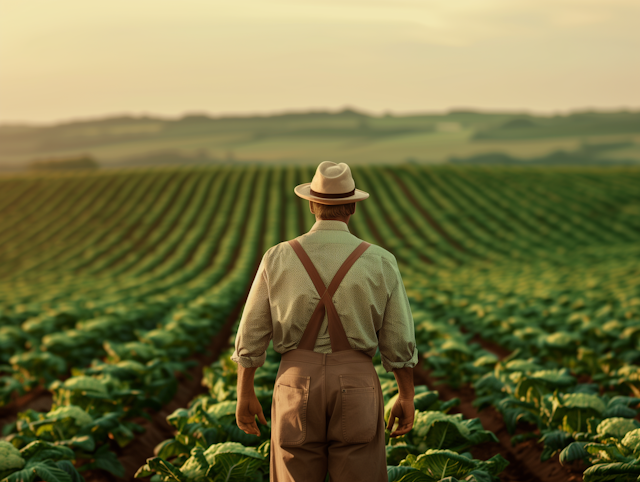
{"x":404,"y":411}
{"x":246,"y":410}
{"x":248,"y":405}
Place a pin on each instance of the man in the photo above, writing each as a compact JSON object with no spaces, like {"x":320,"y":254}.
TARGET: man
{"x":328,"y":300}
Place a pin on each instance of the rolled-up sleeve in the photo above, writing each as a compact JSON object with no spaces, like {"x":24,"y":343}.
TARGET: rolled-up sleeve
{"x":255,"y":328}
{"x":397,"y":336}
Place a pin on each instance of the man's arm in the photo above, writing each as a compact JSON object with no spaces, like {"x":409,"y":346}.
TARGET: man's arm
{"x":248,"y":405}
{"x":397,"y":344}
{"x":252,"y":339}
{"x":403,"y":409}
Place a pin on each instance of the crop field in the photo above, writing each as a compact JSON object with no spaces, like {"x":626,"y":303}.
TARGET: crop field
{"x":121,"y":290}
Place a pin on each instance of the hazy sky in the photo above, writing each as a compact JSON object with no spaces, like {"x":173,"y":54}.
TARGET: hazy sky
{"x":67,"y":59}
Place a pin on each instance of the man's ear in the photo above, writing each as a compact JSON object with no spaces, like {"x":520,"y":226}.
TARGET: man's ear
{"x":310,"y":208}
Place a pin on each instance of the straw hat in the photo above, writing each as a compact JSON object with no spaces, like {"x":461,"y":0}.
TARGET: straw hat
{"x":331,"y":184}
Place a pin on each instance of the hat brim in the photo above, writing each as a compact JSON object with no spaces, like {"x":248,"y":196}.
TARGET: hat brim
{"x":304,"y":191}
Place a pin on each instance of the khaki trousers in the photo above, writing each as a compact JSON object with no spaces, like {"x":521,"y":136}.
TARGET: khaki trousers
{"x":327,"y":416}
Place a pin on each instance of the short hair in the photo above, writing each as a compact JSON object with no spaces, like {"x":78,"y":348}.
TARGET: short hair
{"x":332,"y":211}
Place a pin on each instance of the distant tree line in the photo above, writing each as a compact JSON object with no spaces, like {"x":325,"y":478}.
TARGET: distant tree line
{"x":59,"y":164}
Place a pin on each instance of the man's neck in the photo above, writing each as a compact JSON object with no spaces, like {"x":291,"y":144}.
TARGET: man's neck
{"x":344,"y":220}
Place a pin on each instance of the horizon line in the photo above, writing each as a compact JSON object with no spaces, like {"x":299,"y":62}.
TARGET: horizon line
{"x":311,"y":110}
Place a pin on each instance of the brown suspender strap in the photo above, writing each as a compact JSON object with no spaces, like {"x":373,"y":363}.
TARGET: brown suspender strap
{"x":337,"y":336}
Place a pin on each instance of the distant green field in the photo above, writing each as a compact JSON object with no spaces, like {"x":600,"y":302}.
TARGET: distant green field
{"x":346,"y":136}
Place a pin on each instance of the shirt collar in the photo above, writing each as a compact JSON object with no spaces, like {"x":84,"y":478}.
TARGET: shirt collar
{"x":330,"y":225}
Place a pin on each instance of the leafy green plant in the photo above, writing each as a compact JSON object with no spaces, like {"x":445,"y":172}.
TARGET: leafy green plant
{"x":37,"y":460}
{"x":439,"y":465}
{"x":229,"y":461}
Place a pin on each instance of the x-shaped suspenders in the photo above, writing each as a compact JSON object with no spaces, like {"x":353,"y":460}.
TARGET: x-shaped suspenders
{"x":337,"y":336}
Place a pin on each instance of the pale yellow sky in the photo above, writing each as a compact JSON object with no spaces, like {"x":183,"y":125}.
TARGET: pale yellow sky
{"x":68,"y":59}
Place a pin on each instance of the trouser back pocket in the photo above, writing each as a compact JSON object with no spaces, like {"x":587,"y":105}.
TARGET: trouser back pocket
{"x":292,"y":396}
{"x":359,"y":408}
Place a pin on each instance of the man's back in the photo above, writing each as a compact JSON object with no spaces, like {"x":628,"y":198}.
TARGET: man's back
{"x":371,"y":300}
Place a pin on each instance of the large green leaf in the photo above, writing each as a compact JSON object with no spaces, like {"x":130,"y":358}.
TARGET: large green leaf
{"x":170,"y":448}
{"x":512,"y":416}
{"x":571,"y":411}
{"x":50,"y":472}
{"x":556,"y":439}
{"x":70,"y":469}
{"x":395,"y":473}
{"x":481,"y":436}
{"x":89,"y":385}
{"x":196,"y":466}
{"x":79,"y":416}
{"x":519,"y":365}
{"x":583,"y":400}
{"x":424,"y":423}
{"x":222,"y":409}
{"x":479,"y":476}
{"x":444,"y":463}
{"x":166,"y":469}
{"x":574,"y":451}
{"x":396,"y":453}
{"x":25,"y":475}
{"x":555,"y":378}
{"x":425,"y":400}
{"x":616,"y":427}
{"x":231,"y":448}
{"x":494,"y":465}
{"x":619,"y":410}
{"x":143,"y":472}
{"x":41,"y":450}
{"x":488,"y":360}
{"x":229,"y":467}
{"x":445,"y":434}
{"x":632,"y":440}
{"x":84,"y":442}
{"x":575,"y":420}
{"x":560,"y":339}
{"x":103,"y":424}
{"x":616,"y":471}
{"x":541,"y":382}
{"x":236,"y":434}
{"x":13,"y":459}
{"x":622,"y":400}
{"x":607,"y":453}
{"x":416,"y":476}
{"x":179,"y":418}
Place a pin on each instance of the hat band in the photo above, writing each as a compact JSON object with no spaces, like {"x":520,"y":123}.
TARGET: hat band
{"x":331,"y":196}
